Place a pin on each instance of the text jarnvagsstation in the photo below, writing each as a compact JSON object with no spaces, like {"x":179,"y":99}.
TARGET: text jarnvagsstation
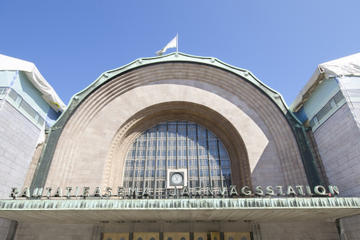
{"x":184,"y":192}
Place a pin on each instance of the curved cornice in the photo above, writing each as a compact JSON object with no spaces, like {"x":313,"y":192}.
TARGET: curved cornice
{"x":172,"y":57}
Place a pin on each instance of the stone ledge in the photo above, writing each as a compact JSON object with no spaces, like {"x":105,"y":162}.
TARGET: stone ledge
{"x":172,"y":204}
{"x":116,"y":211}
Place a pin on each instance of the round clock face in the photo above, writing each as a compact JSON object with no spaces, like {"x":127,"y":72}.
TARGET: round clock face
{"x":176,"y":178}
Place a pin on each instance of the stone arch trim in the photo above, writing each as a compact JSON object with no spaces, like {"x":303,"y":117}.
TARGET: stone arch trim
{"x":79,"y":137}
{"x":181,"y":69}
{"x":172,"y":111}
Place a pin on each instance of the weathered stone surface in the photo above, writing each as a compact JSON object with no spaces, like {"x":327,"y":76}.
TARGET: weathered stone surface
{"x":18,"y":137}
{"x":339,"y":147}
{"x":299,"y":231}
{"x":18,"y":140}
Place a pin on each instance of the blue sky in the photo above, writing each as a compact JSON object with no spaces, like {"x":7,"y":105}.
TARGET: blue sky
{"x":281,"y":42}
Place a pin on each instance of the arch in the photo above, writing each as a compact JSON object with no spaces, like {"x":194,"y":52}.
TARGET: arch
{"x":178,"y":111}
{"x":256,"y":112}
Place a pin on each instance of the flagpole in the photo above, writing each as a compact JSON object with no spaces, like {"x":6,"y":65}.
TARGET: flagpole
{"x":177,"y":42}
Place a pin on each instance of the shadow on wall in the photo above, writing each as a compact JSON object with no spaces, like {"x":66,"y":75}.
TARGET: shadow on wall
{"x":267,"y":171}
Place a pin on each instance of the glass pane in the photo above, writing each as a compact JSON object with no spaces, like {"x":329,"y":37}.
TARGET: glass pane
{"x":13,"y":95}
{"x":28,"y":109}
{"x":172,"y":145}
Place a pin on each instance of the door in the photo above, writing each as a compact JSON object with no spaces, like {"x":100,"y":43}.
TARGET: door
{"x":176,"y":236}
{"x":116,"y":236}
{"x":146,"y":236}
{"x":200,"y":236}
{"x":237,"y":236}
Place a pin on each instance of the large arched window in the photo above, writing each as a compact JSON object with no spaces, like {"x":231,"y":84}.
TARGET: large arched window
{"x":177,"y":145}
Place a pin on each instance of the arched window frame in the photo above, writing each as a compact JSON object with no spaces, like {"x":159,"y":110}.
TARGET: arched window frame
{"x":177,"y":145}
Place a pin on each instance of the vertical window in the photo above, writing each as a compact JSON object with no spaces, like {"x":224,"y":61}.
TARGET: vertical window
{"x":173,"y":145}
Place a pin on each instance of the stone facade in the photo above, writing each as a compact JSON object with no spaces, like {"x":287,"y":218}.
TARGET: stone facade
{"x":92,"y":145}
{"x":339,"y":148}
{"x":18,"y":138}
{"x":55,"y":231}
{"x":341,"y":160}
{"x":269,"y":231}
{"x":350,"y":88}
{"x":96,"y":134}
{"x":299,"y":231}
{"x":16,"y":154}
{"x":350,"y":227}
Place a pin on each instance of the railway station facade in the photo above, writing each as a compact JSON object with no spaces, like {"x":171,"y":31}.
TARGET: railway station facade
{"x":178,"y":147}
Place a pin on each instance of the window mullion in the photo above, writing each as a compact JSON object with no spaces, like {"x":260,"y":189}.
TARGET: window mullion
{"x":187,"y":154}
{"x":135,"y":161}
{"x":156,"y":162}
{"x":176,"y":146}
{"x":146,"y":157}
{"x":193,"y":146}
{"x":208,"y":157}
{"x":166,"y":156}
{"x":197,"y":154}
{"x":221,"y":173}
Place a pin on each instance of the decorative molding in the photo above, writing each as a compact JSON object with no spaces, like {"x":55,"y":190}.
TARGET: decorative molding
{"x":174,"y":204}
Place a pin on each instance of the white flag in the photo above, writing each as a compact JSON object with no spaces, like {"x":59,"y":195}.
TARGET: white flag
{"x":172,"y":44}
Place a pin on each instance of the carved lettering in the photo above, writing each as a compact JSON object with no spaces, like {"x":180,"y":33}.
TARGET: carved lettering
{"x":133,"y":193}
{"x":97,"y":192}
{"x":146,"y":193}
{"x":85,"y":192}
{"x":185,"y":192}
{"x":58,"y":192}
{"x":300,"y":190}
{"x":280,"y":190}
{"x":334,"y":190}
{"x":121,"y":192}
{"x":14,"y":192}
{"x":26,"y":192}
{"x":259,"y":191}
{"x":233,"y":192}
{"x":308,"y":191}
{"x":48,"y":192}
{"x":290,"y":191}
{"x":37,"y":193}
{"x":270,"y":191}
{"x":107,"y":192}
{"x":68,"y":192}
{"x":320,"y":190}
{"x":246,"y":191}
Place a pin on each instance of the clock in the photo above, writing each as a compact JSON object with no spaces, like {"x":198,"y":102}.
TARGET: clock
{"x":177,"y":179}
